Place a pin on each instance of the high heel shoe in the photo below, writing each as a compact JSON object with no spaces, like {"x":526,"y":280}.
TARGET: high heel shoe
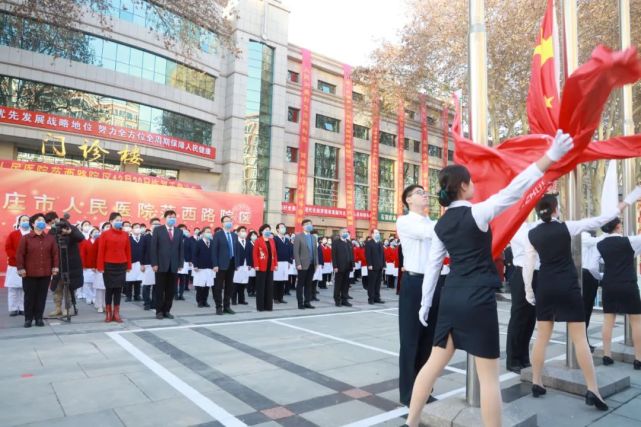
{"x":637,"y":364}
{"x":592,"y":400}
{"x":537,"y":390}
{"x":607,"y":360}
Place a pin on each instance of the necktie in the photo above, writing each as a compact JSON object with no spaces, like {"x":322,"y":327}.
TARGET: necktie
{"x":171,"y":234}
{"x":231,"y":247}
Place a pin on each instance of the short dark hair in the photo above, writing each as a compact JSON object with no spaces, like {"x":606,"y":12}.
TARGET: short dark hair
{"x":142,"y":224}
{"x":205,"y":228}
{"x":406,"y":193}
{"x":451,"y":178}
{"x":126,"y":222}
{"x":104,"y":225}
{"x":263,"y":228}
{"x":182,"y":226}
{"x":34,"y":217}
{"x":217,"y":229}
{"x":222,"y":219}
{"x":169,"y":212}
{"x":135,"y":224}
{"x":114,"y":215}
{"x":86,"y":221}
{"x":610,"y":226}
{"x":253,"y":232}
{"x":154,"y":219}
{"x":279,"y":224}
{"x":546,"y":207}
{"x":305,"y":221}
{"x":50,"y":216}
{"x":242,"y":227}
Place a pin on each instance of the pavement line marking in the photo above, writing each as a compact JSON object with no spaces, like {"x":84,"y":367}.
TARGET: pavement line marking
{"x":246,"y":322}
{"x":215,"y":411}
{"x":354,"y":343}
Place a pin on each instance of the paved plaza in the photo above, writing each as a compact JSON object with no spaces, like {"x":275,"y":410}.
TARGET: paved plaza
{"x":325,"y":367}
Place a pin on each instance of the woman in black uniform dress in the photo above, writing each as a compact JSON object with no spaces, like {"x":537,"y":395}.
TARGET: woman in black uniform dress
{"x":467,"y":316}
{"x":620,"y":288}
{"x":558,"y":294}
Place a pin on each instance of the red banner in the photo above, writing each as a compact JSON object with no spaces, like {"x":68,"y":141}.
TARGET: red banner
{"x":93,"y":199}
{"x":349,"y":148}
{"x":400,"y":161}
{"x":376,"y":123}
{"x":73,"y":125}
{"x":425,"y":155}
{"x":446,"y":132}
{"x":94,"y":173}
{"x":324,"y":211}
{"x":303,"y":141}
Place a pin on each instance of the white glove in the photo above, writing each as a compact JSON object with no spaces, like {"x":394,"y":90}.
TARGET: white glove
{"x":560,"y":146}
{"x":635,"y":195}
{"x":529,"y":296}
{"x":422,"y":314}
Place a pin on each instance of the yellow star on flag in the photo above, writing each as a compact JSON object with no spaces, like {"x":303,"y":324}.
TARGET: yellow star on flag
{"x":548,"y":101}
{"x":545,"y":49}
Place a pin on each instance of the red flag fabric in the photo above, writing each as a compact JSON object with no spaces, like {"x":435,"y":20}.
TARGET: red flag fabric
{"x":543,"y":95}
{"x":584,"y":98}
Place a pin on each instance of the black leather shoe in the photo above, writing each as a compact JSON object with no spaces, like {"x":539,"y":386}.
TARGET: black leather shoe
{"x":13,"y":313}
{"x":338,"y":304}
{"x":301,"y":307}
{"x":229,"y":311}
{"x":169,"y":316}
{"x":637,"y":365}
{"x":370,"y":302}
{"x":40,"y":323}
{"x":21,"y":313}
{"x":28,"y":323}
{"x":607,"y":361}
{"x":515,"y":369}
{"x":379,"y":301}
{"x":537,"y":390}
{"x":592,"y":400}
{"x":592,"y":348}
{"x":201,"y":305}
{"x":206,"y":305}
{"x":244,"y":303}
{"x":315,"y":299}
{"x":159,"y":316}
{"x":309,"y":306}
{"x":432,"y":399}
{"x":147,"y":308}
{"x":347,"y":304}
{"x":181,"y":298}
{"x":219,"y":311}
{"x":282,"y":302}
{"x":526,"y":365}
{"x":128,"y":299}
{"x":348,"y":297}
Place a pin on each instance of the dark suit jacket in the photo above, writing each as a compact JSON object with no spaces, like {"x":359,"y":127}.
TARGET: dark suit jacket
{"x":374,"y":254}
{"x":222,"y":257}
{"x":242,"y":254}
{"x":168,"y":254}
{"x":342,"y":255}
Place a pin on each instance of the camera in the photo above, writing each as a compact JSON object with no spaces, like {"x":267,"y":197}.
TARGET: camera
{"x":62,"y":224}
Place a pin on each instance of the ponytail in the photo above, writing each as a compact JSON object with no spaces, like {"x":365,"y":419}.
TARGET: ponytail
{"x":546,"y":207}
{"x":450,"y":179}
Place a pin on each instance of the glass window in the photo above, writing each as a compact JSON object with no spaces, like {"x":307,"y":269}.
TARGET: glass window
{"x":361,"y":180}
{"x":386,"y":191}
{"x":406,"y":144}
{"x":435,"y":207}
{"x":289,"y":195}
{"x":411,"y":115}
{"x":411,"y":173}
{"x":357,"y":97}
{"x":328,"y":123}
{"x":361,"y":132}
{"x":326,"y":87}
{"x":293,"y":76}
{"x":166,"y":173}
{"x":292,"y":114}
{"x":450,"y":155}
{"x":417,"y":146}
{"x":387,"y":139}
{"x":435,"y":151}
{"x":325,"y":175}
{"x":292,"y":154}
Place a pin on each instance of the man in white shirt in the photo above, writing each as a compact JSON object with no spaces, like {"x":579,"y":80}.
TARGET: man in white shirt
{"x":415,"y":231}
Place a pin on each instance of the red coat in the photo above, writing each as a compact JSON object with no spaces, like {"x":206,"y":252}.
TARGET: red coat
{"x":89,"y":253}
{"x":113,"y":248}
{"x":11,"y":246}
{"x":391,"y":255}
{"x":327,"y":254}
{"x":37,"y":254}
{"x":359,"y":255}
{"x":260,"y":255}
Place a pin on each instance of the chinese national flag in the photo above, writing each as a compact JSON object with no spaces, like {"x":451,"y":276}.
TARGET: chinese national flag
{"x":543,"y":96}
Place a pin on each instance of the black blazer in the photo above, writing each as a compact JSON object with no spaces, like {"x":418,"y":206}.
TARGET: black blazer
{"x":342,"y":255}
{"x":168,"y":254}
{"x":222,"y":257}
{"x":374,"y":254}
{"x":202,"y":256}
{"x":241,"y":255}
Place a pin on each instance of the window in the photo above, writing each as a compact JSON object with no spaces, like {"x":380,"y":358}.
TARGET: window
{"x":406,"y":144}
{"x":328,"y":123}
{"x":450,"y":155}
{"x":110,"y":55}
{"x":357,"y":97}
{"x":361,"y":181}
{"x":435,"y":151}
{"x":165,"y":173}
{"x":417,"y":146}
{"x":386,"y":191}
{"x":289,"y":195}
{"x":325,"y":175}
{"x":431,"y":120}
{"x":293,"y":76}
{"x":62,"y":101}
{"x":411,"y":174}
{"x":410,"y":115}
{"x":434,"y":207}
{"x":326,"y":87}
{"x":292,"y":114}
{"x":361,"y":132}
{"x":292,"y":154}
{"x":387,"y":139}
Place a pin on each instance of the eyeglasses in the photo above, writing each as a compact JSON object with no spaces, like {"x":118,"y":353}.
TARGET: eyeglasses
{"x":420,"y":192}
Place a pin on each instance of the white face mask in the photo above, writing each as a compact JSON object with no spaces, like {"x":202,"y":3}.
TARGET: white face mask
{"x":86,"y":228}
{"x":143,"y":229}
{"x":243,"y":234}
{"x":126,"y":229}
{"x":136,"y":230}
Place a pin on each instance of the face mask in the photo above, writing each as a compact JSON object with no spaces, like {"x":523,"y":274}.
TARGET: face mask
{"x":185,"y":233}
{"x":24,"y":225}
{"x":154,"y":226}
{"x":171,"y":221}
{"x":196,"y":232}
{"x":41,"y":225}
{"x":309,"y":228}
{"x":345,"y":235}
{"x":137,"y":230}
{"x":106,"y":228}
{"x":127,"y":229}
{"x":377,"y":237}
{"x":227,"y":226}
{"x":324,"y":241}
{"x":142,"y":229}
{"x":208,"y":235}
{"x":86,"y":228}
{"x":254,"y":237}
{"x":243,"y":234}
{"x":282,"y":230}
{"x":117,"y":225}
{"x":267,"y":234}
{"x":385,"y":243}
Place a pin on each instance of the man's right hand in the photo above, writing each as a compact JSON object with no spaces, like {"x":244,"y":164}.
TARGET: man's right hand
{"x":299,"y":267}
{"x":22,"y":273}
{"x":155,"y":268}
{"x":370,"y":267}
{"x":215,"y":269}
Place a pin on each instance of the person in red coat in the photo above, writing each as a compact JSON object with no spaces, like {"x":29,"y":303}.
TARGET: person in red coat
{"x":359,"y":257}
{"x":13,"y":282}
{"x":114,"y":261}
{"x":265,"y":263}
{"x":327,"y":263}
{"x":89,"y":255}
{"x":391,"y":258}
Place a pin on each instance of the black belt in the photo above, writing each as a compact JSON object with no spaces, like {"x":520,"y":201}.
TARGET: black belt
{"x":411,"y":273}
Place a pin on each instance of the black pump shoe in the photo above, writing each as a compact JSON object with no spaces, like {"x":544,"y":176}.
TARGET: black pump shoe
{"x":537,"y":390}
{"x":592,"y":400}
{"x":637,"y":365}
{"x":607,"y":361}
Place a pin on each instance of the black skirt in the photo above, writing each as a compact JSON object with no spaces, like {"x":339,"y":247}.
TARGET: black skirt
{"x":621,"y":297}
{"x":558,"y":300}
{"x":115,"y":275}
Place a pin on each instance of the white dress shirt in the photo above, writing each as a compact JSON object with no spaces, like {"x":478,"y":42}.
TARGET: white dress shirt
{"x":415,"y":232}
{"x":483,"y":213}
{"x":520,"y":242}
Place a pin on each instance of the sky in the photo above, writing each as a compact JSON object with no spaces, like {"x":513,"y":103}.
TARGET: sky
{"x":346,"y":30}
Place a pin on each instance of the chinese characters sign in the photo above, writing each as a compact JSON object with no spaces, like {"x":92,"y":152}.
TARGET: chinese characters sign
{"x":400,"y":150}
{"x":425,"y":159}
{"x":303,"y":142}
{"x":376,"y":123}
{"x":290,"y":208}
{"x":349,"y":148}
{"x":53,"y":122}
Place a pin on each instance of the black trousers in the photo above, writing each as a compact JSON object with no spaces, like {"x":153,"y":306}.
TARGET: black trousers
{"x":590,"y":287}
{"x":292,"y":283}
{"x":224,"y":286}
{"x":238,"y":296}
{"x":416,"y":340}
{"x":304,"y":287}
{"x":389,"y":280}
{"x":279,"y":290}
{"x":164,"y":291}
{"x":132,"y":289}
{"x":327,"y":277}
{"x":374,"y":277}
{"x":148,"y":297}
{"x":341,"y":286}
{"x":183,"y":283}
{"x":251,"y":286}
{"x":202,"y":293}
{"x":35,"y":296}
{"x":264,"y":290}
{"x":522,"y":322}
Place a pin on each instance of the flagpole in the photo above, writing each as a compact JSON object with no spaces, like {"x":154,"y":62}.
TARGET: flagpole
{"x":478,"y":128}
{"x":629,"y":165}
{"x":574,"y":181}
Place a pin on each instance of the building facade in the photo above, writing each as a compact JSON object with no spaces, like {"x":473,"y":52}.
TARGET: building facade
{"x":228,"y":123}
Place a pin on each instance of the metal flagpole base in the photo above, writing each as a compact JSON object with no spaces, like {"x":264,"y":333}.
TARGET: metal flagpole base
{"x":456,"y":412}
